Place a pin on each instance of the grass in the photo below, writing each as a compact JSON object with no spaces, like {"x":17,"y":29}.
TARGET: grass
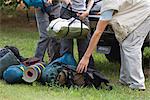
{"x":25,"y":39}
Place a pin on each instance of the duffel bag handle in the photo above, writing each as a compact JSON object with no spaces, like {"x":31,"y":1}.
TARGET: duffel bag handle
{"x":69,"y":27}
{"x":73,"y":21}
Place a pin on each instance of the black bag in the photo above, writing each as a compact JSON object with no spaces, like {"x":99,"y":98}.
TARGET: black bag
{"x":7,"y":60}
{"x":66,"y":75}
{"x":69,"y":77}
{"x":15,"y":50}
{"x":3,"y":51}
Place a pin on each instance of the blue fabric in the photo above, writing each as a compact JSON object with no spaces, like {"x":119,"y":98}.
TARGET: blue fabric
{"x":67,"y":58}
{"x":50,"y":73}
{"x":34,"y":3}
{"x":107,"y":15}
{"x":14,"y":74}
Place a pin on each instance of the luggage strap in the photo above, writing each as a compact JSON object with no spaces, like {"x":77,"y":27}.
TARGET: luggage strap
{"x":75,"y":17}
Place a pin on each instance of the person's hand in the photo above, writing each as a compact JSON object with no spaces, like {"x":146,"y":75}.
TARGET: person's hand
{"x":67,"y":1}
{"x":83,"y":15}
{"x":83,"y":64}
{"x":49,"y":1}
{"x":98,"y":13}
{"x":20,"y":6}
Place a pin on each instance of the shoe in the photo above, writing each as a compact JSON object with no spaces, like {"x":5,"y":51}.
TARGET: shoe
{"x":136,"y":88}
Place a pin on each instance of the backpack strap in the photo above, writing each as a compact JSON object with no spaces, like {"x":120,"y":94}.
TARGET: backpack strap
{"x":71,"y":23}
{"x":69,"y":27}
{"x":70,"y":79}
{"x":81,"y":28}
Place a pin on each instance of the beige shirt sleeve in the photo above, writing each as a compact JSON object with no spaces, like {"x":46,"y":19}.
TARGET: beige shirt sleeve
{"x":109,"y":4}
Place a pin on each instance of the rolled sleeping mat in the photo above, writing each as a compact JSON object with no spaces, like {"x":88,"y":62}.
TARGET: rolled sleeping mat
{"x":7,"y":60}
{"x":14,"y":73}
{"x":33,"y":72}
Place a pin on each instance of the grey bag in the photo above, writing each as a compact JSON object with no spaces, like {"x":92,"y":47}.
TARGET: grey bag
{"x":7,"y":60}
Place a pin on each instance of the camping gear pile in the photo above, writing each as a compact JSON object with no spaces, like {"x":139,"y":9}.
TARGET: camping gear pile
{"x":13,"y":66}
{"x":62,"y":71}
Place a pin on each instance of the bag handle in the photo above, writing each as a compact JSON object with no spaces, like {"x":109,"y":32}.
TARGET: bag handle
{"x":71,"y":21}
{"x":66,"y":8}
{"x":60,"y":15}
{"x":69,"y":27}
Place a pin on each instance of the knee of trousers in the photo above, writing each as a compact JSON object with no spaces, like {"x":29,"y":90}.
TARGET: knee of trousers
{"x":131,"y":47}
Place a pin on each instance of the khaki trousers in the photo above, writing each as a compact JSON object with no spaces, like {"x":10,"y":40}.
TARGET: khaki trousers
{"x":131,"y":71}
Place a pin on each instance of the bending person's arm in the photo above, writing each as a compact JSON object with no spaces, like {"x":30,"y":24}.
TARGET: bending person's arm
{"x":102,"y":23}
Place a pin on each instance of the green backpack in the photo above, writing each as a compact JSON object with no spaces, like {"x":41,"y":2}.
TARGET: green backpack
{"x":66,"y":75}
{"x":50,"y":73}
{"x":62,"y":71}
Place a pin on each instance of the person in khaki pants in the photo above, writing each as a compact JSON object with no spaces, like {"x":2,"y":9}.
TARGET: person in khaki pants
{"x":130,"y":20}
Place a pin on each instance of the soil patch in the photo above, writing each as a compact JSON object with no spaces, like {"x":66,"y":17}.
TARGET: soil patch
{"x":18,"y":19}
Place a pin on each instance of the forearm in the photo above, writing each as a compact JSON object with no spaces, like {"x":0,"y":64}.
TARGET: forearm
{"x":101,"y":25}
{"x":95,"y":38}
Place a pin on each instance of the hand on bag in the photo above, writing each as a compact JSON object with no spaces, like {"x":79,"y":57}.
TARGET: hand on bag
{"x":82,"y":15}
{"x":83,"y":64}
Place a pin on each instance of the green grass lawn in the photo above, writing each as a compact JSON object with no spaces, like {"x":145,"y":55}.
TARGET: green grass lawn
{"x":25,"y":39}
